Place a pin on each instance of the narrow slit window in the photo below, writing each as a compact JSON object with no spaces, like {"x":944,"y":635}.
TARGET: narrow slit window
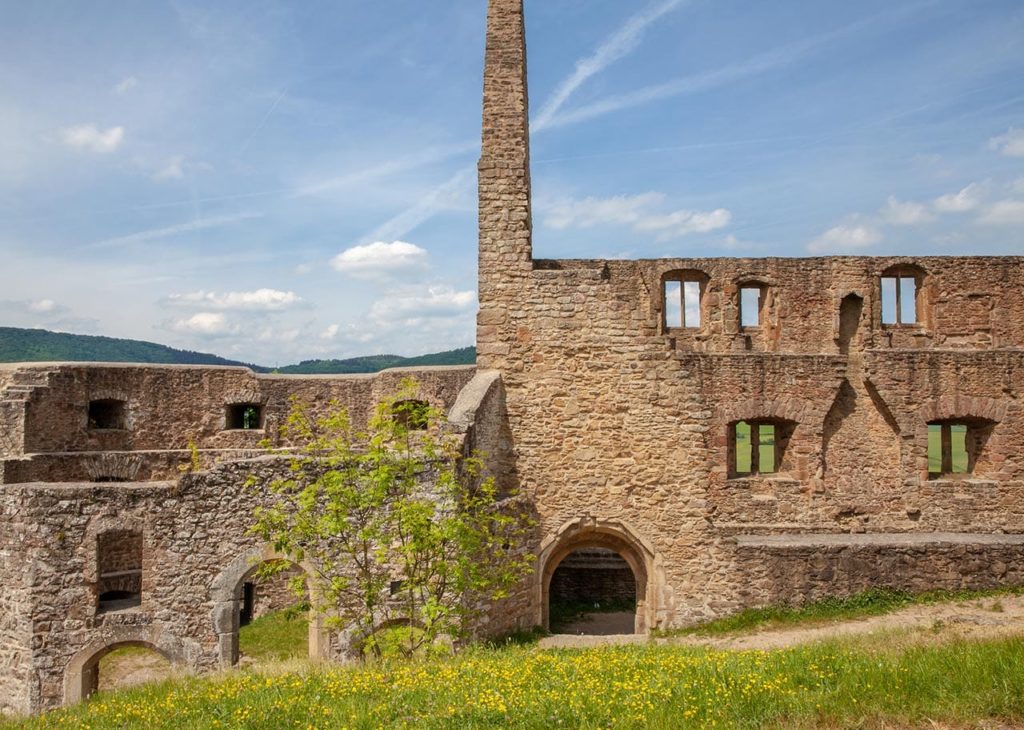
{"x":750,"y":306}
{"x":899,"y":299}
{"x":673,"y":304}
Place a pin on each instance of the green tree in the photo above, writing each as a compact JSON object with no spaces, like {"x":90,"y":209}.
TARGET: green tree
{"x":394,"y":524}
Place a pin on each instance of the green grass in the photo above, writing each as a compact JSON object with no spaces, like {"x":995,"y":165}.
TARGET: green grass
{"x":873,"y":602}
{"x":648,"y":686}
{"x":277,"y":636}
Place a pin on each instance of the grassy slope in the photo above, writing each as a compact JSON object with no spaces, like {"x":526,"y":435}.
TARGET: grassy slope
{"x":873,"y":602}
{"x":827,"y":685}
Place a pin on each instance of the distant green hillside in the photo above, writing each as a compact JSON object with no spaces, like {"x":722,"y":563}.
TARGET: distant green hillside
{"x":376,"y":363}
{"x":25,"y":345}
{"x":31,"y":345}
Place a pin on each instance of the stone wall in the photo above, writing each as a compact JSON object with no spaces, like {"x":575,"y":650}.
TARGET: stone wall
{"x":621,"y":421}
{"x":15,"y":625}
{"x":169,"y":407}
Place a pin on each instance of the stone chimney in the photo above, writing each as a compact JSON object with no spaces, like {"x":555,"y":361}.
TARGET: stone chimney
{"x":504,"y":183}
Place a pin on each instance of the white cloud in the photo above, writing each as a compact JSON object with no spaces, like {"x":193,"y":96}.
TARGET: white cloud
{"x":965,"y":201}
{"x":126,"y":85}
{"x":304,"y":269}
{"x":154,"y":234}
{"x":330,"y":332}
{"x":173,"y":170}
{"x":684,"y":222}
{"x":616,"y":47}
{"x":635,"y":211}
{"x":590,"y":212}
{"x":260,"y":300}
{"x":92,"y":138}
{"x":845,"y":238}
{"x":206,"y":324}
{"x":438,"y":302}
{"x":1010,"y":144}
{"x":1003,"y":213}
{"x":380,"y":259}
{"x":905,"y":213}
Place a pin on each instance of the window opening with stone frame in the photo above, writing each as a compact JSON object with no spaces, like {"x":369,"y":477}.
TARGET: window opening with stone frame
{"x":758,"y":447}
{"x":752,"y":298}
{"x":952,"y":448}
{"x":682,"y":303}
{"x":108,"y":414}
{"x":900,"y":297}
{"x":244,"y":417}
{"x":119,"y":570}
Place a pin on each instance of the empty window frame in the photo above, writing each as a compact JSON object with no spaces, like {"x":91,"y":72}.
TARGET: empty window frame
{"x":682,"y":304}
{"x":244,"y":417}
{"x":751,"y":301}
{"x":119,"y":568}
{"x":108,"y":414}
{"x":949,"y":449}
{"x":899,"y":298}
{"x":757,"y":447}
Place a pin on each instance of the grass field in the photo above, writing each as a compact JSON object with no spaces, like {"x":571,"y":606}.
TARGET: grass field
{"x":277,"y":636}
{"x":647,"y":686}
{"x":874,"y":602}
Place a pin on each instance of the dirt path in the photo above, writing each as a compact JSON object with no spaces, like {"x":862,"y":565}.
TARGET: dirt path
{"x":978,"y":619}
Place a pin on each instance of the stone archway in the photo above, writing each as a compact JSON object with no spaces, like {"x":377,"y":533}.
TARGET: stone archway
{"x":81,"y":677}
{"x":601,"y":538}
{"x":227,"y":593}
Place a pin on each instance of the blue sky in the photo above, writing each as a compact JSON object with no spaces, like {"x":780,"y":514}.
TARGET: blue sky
{"x":275,"y":181}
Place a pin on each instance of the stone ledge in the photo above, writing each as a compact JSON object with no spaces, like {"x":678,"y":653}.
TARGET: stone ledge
{"x":876,"y":540}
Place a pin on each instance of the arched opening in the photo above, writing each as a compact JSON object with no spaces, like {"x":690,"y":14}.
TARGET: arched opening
{"x":595,"y":581}
{"x":593,"y":591}
{"x":272,"y":618}
{"x":118,"y":665}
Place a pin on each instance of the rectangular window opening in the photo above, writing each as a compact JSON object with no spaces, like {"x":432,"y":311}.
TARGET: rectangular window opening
{"x":766,"y":448}
{"x":744,"y":450}
{"x":244,"y":417}
{"x":691,"y":304}
{"x":934,"y":448}
{"x":750,"y":306}
{"x":908,"y":300}
{"x":673,"y":304}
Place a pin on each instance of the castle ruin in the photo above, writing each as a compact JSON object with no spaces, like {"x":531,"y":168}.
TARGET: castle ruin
{"x":697,"y":435}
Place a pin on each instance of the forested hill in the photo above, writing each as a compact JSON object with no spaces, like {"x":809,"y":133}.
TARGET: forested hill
{"x":29,"y":345}
{"x":32,"y":345}
{"x":376,"y":363}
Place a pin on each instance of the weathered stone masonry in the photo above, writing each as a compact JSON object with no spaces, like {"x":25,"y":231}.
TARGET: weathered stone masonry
{"x":619,"y":428}
{"x":622,"y":425}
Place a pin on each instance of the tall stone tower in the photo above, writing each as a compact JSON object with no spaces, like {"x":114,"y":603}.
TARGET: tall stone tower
{"x":504,"y":182}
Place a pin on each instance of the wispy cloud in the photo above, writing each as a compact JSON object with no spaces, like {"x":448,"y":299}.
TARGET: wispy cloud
{"x":762,"y":63}
{"x":449,"y":195}
{"x":259,"y":300}
{"x":964,"y":201}
{"x":126,"y":85}
{"x":1010,"y":144}
{"x":846,"y":238}
{"x":155,"y":234}
{"x":905,"y":213}
{"x":92,"y":138}
{"x":616,"y":47}
{"x":637,"y":211}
